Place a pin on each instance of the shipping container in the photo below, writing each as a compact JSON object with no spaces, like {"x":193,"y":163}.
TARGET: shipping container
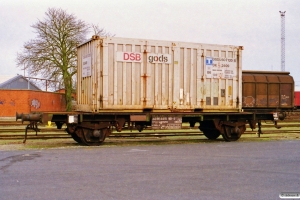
{"x":268,"y":89}
{"x":136,"y":75}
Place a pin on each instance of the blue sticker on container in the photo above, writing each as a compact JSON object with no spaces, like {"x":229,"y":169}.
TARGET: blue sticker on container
{"x":209,"y":61}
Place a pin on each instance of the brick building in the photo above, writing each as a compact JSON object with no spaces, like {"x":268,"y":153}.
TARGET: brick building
{"x":16,"y":97}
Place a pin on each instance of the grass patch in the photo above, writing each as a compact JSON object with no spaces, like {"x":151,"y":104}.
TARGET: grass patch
{"x":155,"y":140}
{"x":287,"y":132}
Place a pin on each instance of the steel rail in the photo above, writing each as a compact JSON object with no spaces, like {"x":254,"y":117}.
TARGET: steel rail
{"x":14,"y":132}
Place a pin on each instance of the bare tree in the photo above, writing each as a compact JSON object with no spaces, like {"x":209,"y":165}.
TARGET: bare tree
{"x":52,"y":54}
{"x":101,"y":31}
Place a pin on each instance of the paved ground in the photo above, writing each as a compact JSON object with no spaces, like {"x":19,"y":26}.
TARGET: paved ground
{"x":235,"y":170}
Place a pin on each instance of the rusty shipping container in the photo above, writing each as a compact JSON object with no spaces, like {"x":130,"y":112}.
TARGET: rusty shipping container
{"x":123,"y":74}
{"x":267,"y":89}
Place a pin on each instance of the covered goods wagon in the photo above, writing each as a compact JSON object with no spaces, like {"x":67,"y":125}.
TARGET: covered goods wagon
{"x":267,"y":89}
{"x":138,"y":74}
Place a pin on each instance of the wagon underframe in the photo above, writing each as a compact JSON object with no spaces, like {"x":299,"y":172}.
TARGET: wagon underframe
{"x":93,"y":128}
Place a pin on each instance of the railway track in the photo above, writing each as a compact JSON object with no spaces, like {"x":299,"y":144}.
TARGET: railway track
{"x":12,"y":130}
{"x":52,"y":133}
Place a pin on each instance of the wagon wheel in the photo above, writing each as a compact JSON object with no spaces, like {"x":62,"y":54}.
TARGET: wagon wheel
{"x":209,"y":130}
{"x":76,"y":138}
{"x":233,"y":133}
{"x":211,"y":134}
{"x":93,"y":137}
{"x":71,"y":129}
{"x":139,"y":126}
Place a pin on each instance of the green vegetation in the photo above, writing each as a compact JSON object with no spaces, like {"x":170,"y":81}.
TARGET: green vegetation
{"x":17,"y":144}
{"x":289,"y":131}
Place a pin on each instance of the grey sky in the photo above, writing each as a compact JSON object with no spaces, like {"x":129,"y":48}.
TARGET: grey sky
{"x":254,"y":24}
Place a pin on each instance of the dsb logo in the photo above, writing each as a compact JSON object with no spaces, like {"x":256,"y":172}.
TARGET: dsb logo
{"x":129,"y":57}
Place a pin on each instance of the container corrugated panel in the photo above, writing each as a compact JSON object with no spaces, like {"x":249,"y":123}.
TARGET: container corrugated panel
{"x":268,"y":89}
{"x":135,"y":75}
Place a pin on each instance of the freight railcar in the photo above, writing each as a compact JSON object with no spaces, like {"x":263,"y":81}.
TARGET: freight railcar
{"x":161,"y":84}
{"x":267,"y":90}
{"x":297,"y":97}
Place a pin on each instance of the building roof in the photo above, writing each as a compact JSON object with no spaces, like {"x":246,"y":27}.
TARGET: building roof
{"x":16,"y":82}
{"x":4,"y":78}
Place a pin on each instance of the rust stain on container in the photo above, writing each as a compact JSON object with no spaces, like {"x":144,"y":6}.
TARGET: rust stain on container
{"x":229,"y":90}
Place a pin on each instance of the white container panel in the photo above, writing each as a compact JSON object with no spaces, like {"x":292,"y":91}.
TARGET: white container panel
{"x":134,"y":75}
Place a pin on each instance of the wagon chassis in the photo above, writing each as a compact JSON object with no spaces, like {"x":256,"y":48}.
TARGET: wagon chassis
{"x":92,"y":128}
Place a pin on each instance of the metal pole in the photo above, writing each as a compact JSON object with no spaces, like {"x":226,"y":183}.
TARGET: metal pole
{"x":282,"y":14}
{"x":28,"y":85}
{"x":28,"y":81}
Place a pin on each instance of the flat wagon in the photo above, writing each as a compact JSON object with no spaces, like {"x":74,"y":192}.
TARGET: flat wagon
{"x":141,"y":83}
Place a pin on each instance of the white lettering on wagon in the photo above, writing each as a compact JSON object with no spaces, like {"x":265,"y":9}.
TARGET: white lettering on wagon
{"x":86,"y":65}
{"x":220,"y":67}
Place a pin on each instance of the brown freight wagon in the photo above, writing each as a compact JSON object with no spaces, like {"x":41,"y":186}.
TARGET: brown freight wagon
{"x":268,"y":90}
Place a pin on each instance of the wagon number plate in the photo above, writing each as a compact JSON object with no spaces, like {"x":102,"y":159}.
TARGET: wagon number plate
{"x":160,"y":122}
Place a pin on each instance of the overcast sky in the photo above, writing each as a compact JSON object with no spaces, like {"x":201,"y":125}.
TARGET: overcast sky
{"x":254,"y":24}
